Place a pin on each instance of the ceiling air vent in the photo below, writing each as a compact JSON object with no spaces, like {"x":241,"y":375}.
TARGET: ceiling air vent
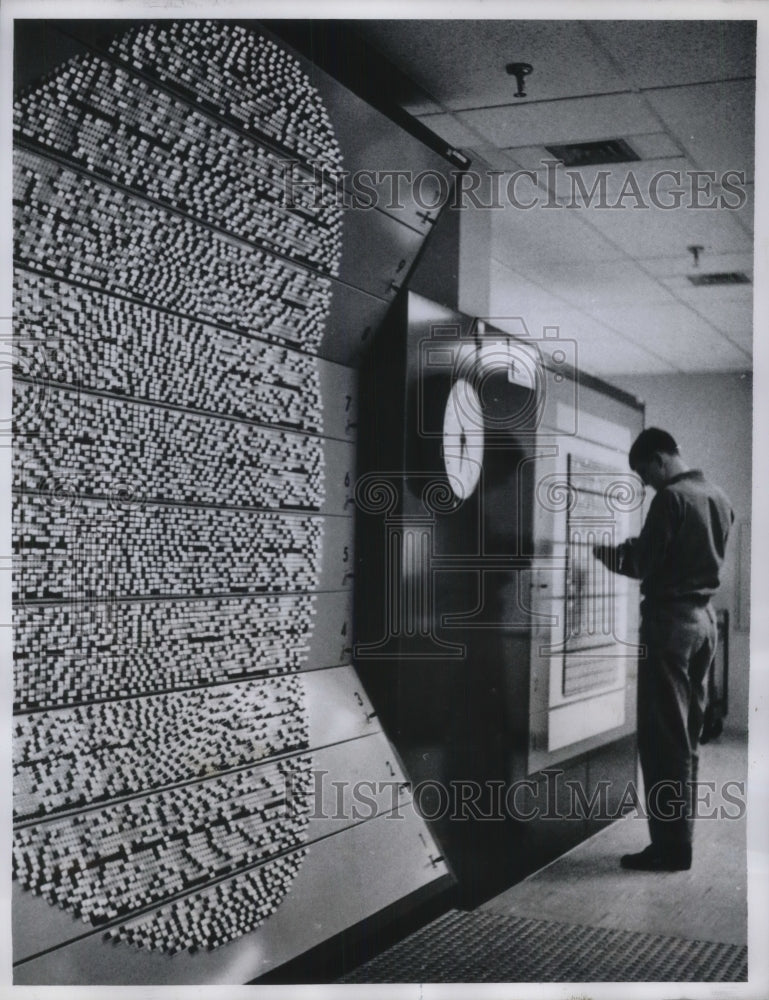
{"x":721,"y":278}
{"x":584,"y":154}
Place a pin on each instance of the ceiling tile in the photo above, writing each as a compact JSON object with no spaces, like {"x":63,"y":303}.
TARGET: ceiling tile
{"x":663,"y":53}
{"x":728,"y":302}
{"x":654,"y":145}
{"x":636,"y":185}
{"x":746,"y":212}
{"x":671,"y":185}
{"x":461,"y":64}
{"x":576,"y":120}
{"x":498,"y":159}
{"x":454,"y":130}
{"x":704,"y":296}
{"x":512,"y":297}
{"x":680,"y":265}
{"x":617,"y":357}
{"x":573,"y":325}
{"x":620,"y":338}
{"x":727,"y":360}
{"x":733,"y":317}
{"x":702,"y":354}
{"x":740,"y":334}
{"x":675,"y":332}
{"x":587,"y":285}
{"x":712,"y":122}
{"x":654,"y":232}
{"x":649,"y":324}
{"x":527,"y":238}
{"x":648,"y":146}
{"x":614,"y":280}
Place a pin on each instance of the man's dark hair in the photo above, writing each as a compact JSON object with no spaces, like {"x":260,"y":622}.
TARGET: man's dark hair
{"x":651,"y":442}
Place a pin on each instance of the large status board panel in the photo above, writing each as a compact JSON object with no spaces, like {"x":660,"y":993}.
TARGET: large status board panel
{"x":191,"y":293}
{"x":584,"y":649}
{"x":491,"y":643}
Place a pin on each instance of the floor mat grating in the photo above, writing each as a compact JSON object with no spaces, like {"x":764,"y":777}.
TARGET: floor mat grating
{"x":481,"y":947}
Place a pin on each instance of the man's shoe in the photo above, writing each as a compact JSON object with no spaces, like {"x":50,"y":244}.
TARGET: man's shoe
{"x":655,"y":859}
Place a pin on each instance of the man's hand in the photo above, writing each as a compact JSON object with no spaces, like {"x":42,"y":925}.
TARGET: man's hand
{"x":607,"y":555}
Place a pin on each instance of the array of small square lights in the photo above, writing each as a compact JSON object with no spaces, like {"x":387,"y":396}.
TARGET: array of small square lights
{"x":78,"y":228}
{"x":240,"y":75}
{"x":72,"y":549}
{"x":75,"y":757}
{"x":67,"y":654}
{"x":81,"y":337}
{"x":140,"y":137}
{"x":170,"y":296}
{"x":105,"y":863}
{"x":110,"y":448}
{"x":216,"y":915}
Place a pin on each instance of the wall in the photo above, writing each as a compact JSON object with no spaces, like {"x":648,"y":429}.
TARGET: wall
{"x":711,"y":418}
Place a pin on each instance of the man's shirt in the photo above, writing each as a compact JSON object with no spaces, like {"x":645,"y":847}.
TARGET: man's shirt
{"x":681,"y":547}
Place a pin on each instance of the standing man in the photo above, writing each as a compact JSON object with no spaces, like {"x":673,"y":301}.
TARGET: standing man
{"x":677,"y":557}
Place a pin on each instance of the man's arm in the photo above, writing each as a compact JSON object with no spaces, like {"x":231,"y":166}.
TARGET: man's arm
{"x":613,"y":556}
{"x":642,"y":556}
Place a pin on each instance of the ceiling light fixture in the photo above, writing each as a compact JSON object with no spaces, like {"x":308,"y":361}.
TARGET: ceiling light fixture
{"x":519,"y":71}
{"x":719,"y":278}
{"x":587,"y":154}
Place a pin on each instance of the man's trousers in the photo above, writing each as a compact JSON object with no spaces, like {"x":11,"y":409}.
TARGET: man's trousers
{"x":680,"y":639}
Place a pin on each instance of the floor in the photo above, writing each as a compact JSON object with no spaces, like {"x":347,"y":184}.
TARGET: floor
{"x":587,"y":886}
{"x":584,"y":919}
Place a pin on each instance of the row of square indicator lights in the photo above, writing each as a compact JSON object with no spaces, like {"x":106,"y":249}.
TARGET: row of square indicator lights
{"x":274,"y":641}
{"x":267,"y":286}
{"x":192,"y":456}
{"x":103,"y":867}
{"x":245,"y":77}
{"x":254,"y":205}
{"x":78,"y":776}
{"x":98,"y":338}
{"x":219,"y":915}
